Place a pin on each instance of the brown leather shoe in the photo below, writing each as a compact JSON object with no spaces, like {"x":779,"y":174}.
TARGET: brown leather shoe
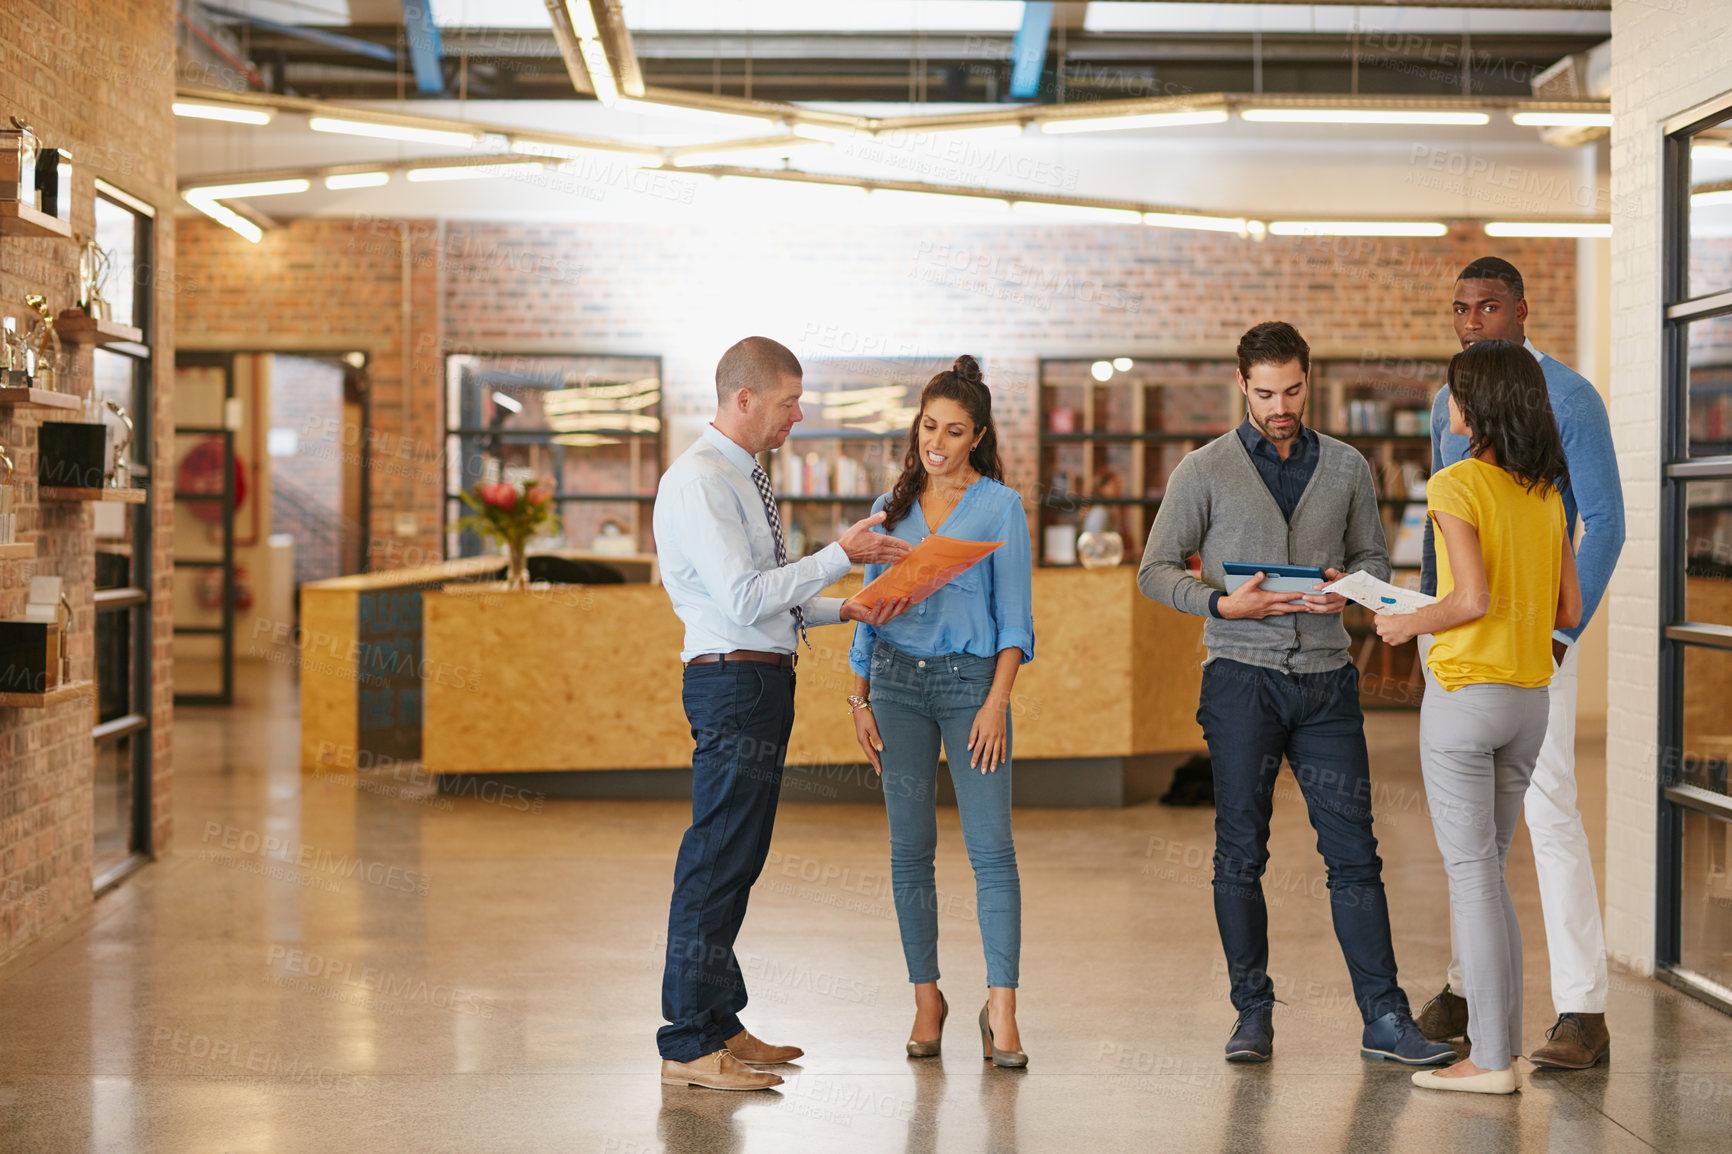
{"x":758,"y":1053}
{"x":717,"y":1071}
{"x":1444,"y":1018}
{"x":1577,"y":1042}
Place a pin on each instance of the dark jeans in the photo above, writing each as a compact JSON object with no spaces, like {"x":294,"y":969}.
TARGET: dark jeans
{"x":1252,"y":718}
{"x":741,"y":713}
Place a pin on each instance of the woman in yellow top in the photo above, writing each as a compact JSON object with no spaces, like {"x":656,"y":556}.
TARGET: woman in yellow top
{"x":1506,"y":579}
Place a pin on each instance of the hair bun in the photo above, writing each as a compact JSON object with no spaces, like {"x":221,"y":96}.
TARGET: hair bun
{"x":968,"y":369}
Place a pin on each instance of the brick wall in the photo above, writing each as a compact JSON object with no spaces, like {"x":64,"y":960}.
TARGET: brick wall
{"x":1010,"y":294}
{"x":95,"y":78}
{"x":1664,"y":62}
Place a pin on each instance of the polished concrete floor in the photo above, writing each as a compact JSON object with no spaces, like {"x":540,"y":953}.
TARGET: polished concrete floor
{"x":361,"y":964}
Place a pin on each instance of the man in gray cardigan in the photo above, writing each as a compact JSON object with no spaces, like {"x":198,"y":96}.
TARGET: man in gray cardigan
{"x":1278,"y":682}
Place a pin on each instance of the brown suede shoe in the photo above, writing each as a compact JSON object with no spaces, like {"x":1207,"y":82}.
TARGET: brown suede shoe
{"x":756,"y":1053}
{"x":717,"y":1071}
{"x":1444,"y":1018}
{"x":1577,"y":1042}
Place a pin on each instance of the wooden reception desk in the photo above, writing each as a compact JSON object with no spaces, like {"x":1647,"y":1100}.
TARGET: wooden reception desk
{"x":587,"y":678}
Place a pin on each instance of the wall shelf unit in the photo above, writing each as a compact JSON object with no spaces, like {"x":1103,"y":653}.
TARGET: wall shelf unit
{"x":83,"y":330}
{"x":1112,"y":430}
{"x":18,"y":551}
{"x":66,"y":691}
{"x":23,"y":398}
{"x":62,"y":493}
{"x":19,"y":219}
{"x":592,"y":425}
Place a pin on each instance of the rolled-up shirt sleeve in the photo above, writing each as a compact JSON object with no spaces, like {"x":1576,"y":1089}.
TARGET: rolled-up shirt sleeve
{"x":1012,"y":584}
{"x":746,"y":595}
{"x":866,"y":636}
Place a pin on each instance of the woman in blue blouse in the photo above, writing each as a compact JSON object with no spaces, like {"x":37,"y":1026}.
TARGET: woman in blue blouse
{"x":943,"y":672}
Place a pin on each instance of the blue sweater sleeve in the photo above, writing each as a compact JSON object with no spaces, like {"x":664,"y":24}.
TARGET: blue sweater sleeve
{"x":860,"y":651}
{"x":1599,"y":494}
{"x":1439,"y":423}
{"x":1012,"y":584}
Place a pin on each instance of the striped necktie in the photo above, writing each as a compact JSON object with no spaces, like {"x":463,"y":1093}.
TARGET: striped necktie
{"x":762,"y":480}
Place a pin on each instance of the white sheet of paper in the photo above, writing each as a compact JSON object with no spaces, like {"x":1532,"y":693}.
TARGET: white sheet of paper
{"x":1379,"y":596}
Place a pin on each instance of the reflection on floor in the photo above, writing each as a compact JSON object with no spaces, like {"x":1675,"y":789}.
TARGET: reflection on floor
{"x":337,"y":964}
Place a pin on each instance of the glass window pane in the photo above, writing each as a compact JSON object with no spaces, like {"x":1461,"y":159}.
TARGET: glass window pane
{"x":1710,"y":385}
{"x":1708,"y":552}
{"x":1706,"y":937}
{"x":113,"y":799}
{"x":1711,"y":212}
{"x":114,"y":664}
{"x":117,"y":274}
{"x":1707,"y":726}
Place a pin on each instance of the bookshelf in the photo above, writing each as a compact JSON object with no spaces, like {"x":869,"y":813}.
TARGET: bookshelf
{"x":849,"y":447}
{"x":590,"y":424}
{"x":1111,"y":431}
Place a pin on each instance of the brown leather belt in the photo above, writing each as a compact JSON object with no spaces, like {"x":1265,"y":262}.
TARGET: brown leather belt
{"x":787,"y":660}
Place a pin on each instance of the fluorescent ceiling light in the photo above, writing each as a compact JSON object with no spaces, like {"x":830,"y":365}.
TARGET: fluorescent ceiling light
{"x":1357,"y":228}
{"x":1545,"y":228}
{"x":582,"y":19}
{"x":1151,"y":120}
{"x":743,"y":150}
{"x":394,"y":132}
{"x":1186,"y":220}
{"x":228,"y":112}
{"x":1711,"y":199}
{"x":1563,"y":119}
{"x":1077,"y":213}
{"x":1360,"y":116}
{"x":257,"y":188}
{"x":509,"y":404}
{"x":225,"y":216}
{"x":734,"y":121}
{"x":471,"y":171}
{"x":1712,"y":151}
{"x":357,"y":180}
{"x":575,"y":152}
{"x":601,"y":79}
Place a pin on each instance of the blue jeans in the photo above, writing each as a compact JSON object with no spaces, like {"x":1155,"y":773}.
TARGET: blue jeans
{"x":1252,"y":718}
{"x":741,"y":713}
{"x":918,"y":702}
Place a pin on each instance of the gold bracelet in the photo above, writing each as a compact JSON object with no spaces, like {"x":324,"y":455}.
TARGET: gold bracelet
{"x":858,"y":703}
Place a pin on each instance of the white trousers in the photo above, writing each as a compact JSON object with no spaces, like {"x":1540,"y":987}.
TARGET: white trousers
{"x":1569,"y":900}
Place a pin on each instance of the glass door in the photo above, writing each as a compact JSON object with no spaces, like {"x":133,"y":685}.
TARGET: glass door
{"x":121,"y":832}
{"x":1694,"y":947}
{"x":205,"y":495}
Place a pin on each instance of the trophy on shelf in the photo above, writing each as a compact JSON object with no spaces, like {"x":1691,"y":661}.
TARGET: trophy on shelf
{"x":18,"y":149}
{"x":93,"y":266}
{"x":8,"y":519}
{"x":42,"y":343}
{"x":15,"y":360}
{"x":119,"y":458}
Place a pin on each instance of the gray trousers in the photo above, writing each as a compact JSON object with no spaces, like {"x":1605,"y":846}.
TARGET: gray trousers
{"x":1477,"y":747}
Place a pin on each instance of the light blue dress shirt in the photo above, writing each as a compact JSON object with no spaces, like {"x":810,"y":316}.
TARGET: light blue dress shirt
{"x":1595,"y":491}
{"x":985,"y":608}
{"x":718,"y":556}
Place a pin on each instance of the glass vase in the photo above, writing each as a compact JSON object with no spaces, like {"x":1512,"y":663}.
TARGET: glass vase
{"x":517,"y":571}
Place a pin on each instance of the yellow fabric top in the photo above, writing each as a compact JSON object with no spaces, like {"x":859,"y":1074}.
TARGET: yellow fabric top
{"x":1521,"y":537}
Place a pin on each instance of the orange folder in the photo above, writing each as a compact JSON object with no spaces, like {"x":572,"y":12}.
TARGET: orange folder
{"x":928,"y":567}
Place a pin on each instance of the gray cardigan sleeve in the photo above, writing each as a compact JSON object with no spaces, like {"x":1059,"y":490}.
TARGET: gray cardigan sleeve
{"x":1367,"y":544}
{"x":1180,"y":526}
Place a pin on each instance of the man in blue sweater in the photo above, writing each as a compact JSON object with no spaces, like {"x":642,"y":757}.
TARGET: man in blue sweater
{"x":1490,"y":304}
